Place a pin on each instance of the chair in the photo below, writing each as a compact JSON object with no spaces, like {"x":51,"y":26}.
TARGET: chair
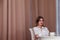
{"x":32,"y":33}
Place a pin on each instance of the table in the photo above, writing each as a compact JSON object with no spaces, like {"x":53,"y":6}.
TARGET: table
{"x":50,"y":38}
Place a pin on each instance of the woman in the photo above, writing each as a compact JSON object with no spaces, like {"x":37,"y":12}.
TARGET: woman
{"x":40,"y":30}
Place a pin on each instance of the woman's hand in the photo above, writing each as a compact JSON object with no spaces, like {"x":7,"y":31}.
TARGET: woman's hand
{"x":36,"y":36}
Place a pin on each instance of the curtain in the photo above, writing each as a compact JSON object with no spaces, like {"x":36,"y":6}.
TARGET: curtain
{"x":17,"y":16}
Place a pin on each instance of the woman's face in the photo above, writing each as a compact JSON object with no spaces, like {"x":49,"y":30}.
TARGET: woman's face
{"x":41,"y":22}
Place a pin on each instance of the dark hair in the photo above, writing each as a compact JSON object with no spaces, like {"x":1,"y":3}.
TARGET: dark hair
{"x":38,"y":19}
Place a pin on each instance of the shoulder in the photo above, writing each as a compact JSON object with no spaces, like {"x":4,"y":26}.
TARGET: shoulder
{"x":35,"y":28}
{"x":45,"y":27}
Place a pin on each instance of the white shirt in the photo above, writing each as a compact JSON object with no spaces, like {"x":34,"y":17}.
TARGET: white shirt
{"x":41,"y":31}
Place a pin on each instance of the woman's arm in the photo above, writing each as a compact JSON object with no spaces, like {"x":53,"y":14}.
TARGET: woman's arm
{"x":36,"y":37}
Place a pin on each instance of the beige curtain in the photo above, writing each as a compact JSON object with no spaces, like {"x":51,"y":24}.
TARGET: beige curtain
{"x":15,"y":19}
{"x":17,"y":16}
{"x":18,"y":19}
{"x":3,"y":19}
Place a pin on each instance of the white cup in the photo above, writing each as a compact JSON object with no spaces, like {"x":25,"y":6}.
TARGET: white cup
{"x":52,"y":33}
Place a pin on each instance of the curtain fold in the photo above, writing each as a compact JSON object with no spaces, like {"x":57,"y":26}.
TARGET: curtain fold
{"x":16,"y":20}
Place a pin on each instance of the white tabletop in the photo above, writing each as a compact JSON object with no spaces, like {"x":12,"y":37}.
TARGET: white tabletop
{"x":50,"y":38}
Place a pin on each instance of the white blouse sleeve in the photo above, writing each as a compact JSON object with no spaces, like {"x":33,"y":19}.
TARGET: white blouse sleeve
{"x":47,"y":31}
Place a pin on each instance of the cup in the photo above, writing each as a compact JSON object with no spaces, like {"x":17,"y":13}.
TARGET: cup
{"x":52,"y":33}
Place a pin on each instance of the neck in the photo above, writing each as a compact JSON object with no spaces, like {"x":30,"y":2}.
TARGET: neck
{"x":40,"y":26}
